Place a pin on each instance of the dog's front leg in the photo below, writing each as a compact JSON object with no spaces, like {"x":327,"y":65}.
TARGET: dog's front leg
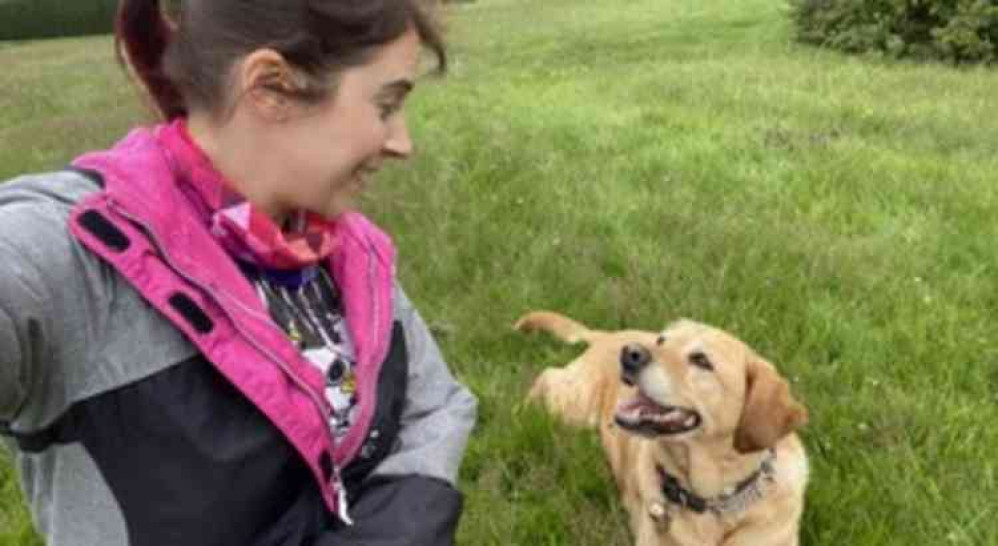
{"x":650,"y":522}
{"x":650,"y":532}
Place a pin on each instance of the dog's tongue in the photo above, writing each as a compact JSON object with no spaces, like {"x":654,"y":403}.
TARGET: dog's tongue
{"x":639,"y":403}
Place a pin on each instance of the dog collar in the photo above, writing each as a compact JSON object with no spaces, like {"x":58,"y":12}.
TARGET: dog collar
{"x":745,"y":493}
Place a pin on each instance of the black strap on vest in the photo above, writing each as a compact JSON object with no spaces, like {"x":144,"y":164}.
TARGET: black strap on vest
{"x":106,"y":232}
{"x":95,"y":223}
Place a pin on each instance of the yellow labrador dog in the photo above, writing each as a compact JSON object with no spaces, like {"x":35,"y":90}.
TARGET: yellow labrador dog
{"x":698,"y":430}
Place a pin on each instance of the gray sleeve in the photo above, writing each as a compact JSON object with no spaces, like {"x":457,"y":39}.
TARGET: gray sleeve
{"x":24,"y":307}
{"x":439,"y":413}
{"x":12,"y":366}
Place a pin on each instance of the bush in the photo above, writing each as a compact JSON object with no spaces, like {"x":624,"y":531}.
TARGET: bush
{"x":955,"y":30}
{"x":32,"y":19}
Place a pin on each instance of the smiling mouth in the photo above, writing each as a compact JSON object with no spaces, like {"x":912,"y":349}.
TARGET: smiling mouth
{"x":642,"y":415}
{"x":366,"y":172}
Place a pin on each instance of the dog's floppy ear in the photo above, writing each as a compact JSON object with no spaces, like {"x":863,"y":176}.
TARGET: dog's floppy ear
{"x":770,"y":412}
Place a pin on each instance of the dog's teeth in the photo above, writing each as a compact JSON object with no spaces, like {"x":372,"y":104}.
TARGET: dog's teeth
{"x":690,"y":421}
{"x":630,"y":415}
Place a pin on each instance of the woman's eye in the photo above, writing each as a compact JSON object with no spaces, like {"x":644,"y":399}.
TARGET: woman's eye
{"x":386,"y":110}
{"x":700,"y":360}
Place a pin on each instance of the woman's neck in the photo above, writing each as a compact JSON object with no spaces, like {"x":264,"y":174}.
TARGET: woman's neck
{"x":239,"y":158}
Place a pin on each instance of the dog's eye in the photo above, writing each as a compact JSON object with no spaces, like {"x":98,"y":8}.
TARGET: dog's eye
{"x":660,"y":340}
{"x":700,"y":360}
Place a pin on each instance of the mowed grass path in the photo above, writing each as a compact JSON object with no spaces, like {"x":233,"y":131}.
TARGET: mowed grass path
{"x":629,"y":163}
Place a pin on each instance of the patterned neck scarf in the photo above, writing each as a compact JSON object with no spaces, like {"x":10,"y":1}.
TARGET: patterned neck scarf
{"x":247,"y":233}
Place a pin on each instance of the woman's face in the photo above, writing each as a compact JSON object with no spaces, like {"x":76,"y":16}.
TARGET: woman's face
{"x":328,"y":152}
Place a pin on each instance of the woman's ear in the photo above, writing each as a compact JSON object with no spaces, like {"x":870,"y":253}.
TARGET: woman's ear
{"x":266,"y":80}
{"x":769,"y":412}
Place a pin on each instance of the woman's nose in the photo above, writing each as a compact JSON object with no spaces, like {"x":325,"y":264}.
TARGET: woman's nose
{"x":398,"y":144}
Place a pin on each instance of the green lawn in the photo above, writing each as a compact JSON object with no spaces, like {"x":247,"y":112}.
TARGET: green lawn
{"x":633,"y":162}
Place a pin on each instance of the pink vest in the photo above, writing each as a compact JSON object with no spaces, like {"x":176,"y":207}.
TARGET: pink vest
{"x":177,"y":266}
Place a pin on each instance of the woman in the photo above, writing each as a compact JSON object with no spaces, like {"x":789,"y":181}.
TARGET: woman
{"x":200,"y":341}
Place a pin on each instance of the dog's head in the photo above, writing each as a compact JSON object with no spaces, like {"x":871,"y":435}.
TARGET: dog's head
{"x":697,"y":381}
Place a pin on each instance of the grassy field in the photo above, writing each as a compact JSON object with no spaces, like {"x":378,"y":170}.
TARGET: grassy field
{"x":629,"y":163}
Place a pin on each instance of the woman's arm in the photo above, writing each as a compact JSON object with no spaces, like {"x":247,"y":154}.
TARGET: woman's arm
{"x":12,"y":368}
{"x":439,"y":413}
{"x":23,"y":305}
{"x":48,"y":286}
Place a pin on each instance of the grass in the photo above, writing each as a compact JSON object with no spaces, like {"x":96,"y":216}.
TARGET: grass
{"x":630,"y":163}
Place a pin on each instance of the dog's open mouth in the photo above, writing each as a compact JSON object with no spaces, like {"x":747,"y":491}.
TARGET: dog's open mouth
{"x":644,"y":416}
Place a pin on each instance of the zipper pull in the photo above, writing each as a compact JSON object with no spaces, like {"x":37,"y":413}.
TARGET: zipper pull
{"x":341,"y":499}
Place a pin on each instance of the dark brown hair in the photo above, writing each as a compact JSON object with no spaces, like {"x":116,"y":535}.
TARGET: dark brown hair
{"x":184,"y":61}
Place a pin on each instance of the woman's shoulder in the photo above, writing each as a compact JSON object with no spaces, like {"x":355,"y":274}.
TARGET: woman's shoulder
{"x":35,"y":209}
{"x":86,"y":314}
{"x":47,"y":192}
{"x":34,"y":215}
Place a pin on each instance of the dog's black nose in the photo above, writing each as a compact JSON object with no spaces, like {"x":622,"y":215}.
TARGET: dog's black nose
{"x":633,"y":358}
